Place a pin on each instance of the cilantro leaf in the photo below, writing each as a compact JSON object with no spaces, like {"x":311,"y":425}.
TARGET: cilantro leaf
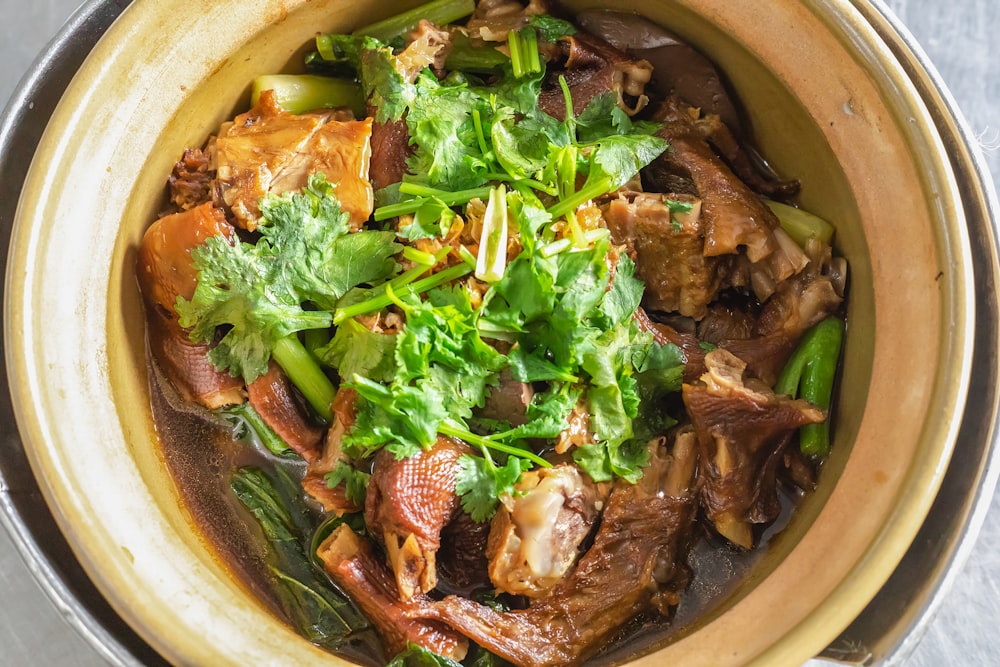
{"x":355,"y":482}
{"x":480,"y":483}
{"x":355,"y":350}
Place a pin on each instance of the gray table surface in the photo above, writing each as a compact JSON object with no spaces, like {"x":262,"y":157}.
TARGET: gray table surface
{"x":960,"y":38}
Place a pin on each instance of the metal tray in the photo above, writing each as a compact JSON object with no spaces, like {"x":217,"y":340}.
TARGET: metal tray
{"x":885,"y":632}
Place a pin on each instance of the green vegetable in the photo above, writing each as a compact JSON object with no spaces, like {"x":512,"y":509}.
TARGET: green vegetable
{"x":248,"y":423}
{"x":465,"y":57}
{"x":810,"y":374}
{"x":289,"y":281}
{"x":298,"y":93}
{"x":801,"y":225}
{"x":524,"y":57}
{"x":439,"y":12}
{"x":320,"y":612}
{"x":355,"y":482}
{"x":492,"y":259}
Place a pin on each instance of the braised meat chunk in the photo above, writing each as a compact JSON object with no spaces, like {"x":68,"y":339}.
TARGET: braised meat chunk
{"x":743,"y":429}
{"x":636,"y":565}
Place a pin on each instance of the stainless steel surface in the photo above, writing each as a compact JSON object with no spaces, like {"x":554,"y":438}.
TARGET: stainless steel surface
{"x":959,"y":39}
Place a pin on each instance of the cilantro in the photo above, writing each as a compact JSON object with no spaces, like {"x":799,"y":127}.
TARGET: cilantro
{"x":265,"y":292}
{"x":551,"y":28}
{"x":355,"y":482}
{"x":354,"y":350}
{"x":480,"y":483}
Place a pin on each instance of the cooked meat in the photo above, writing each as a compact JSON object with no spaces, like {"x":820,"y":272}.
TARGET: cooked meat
{"x":314,"y":483}
{"x":668,"y":249}
{"x":578,"y":432}
{"x":636,"y":565}
{"x":536,"y":533}
{"x":390,"y":150}
{"x":409,"y":501}
{"x":508,"y":400}
{"x":804,"y":300}
{"x":353,"y":564}
{"x":677,"y":67}
{"x":734,"y":218}
{"x":493,"y":19}
{"x":428,"y":47}
{"x":274,"y":399}
{"x":694,"y":353}
{"x":191,"y":181}
{"x":461,"y":560}
{"x":268,"y":149}
{"x":594,"y":67}
{"x":743,"y":429}
{"x":165,"y":272}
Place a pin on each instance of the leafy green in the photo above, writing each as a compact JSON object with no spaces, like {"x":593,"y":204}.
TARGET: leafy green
{"x":265,"y":292}
{"x":355,"y":350}
{"x":321,"y":613}
{"x":480,"y":483}
{"x":355,"y":482}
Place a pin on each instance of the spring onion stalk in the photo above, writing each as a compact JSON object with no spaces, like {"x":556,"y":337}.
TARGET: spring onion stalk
{"x":453,"y":430}
{"x":298,"y":93}
{"x":810,"y":374}
{"x":801,"y":225}
{"x":439,"y":12}
{"x":421,"y":194}
{"x":243,"y":416}
{"x":492,"y":258}
{"x":381,"y":301}
{"x":305,"y":373}
{"x":524,"y":58}
{"x":419,"y":256}
{"x":464,"y":57}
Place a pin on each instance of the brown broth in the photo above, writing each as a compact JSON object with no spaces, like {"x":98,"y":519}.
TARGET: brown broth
{"x":201,"y":454}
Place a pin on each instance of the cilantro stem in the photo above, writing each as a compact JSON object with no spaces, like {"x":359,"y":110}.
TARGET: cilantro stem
{"x":305,"y":373}
{"x":419,"y":256}
{"x":455,"y":431}
{"x":383,"y":301}
{"x":477,"y":122}
{"x":438,"y":12}
{"x":422,"y":193}
{"x":523,"y":45}
{"x":521,"y":182}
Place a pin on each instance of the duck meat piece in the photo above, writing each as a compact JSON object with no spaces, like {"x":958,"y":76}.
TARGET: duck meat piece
{"x":509,"y":400}
{"x":165,"y":271}
{"x":461,"y":561}
{"x":537,"y":532}
{"x":355,"y":567}
{"x":594,"y":67}
{"x":408,"y":503}
{"x":694,"y":353}
{"x":333,"y":499}
{"x":636,"y":565}
{"x":668,"y":249}
{"x":734,"y":218}
{"x":743,"y":429}
{"x":273,"y":397}
{"x":268,"y":149}
{"x":804,"y":300}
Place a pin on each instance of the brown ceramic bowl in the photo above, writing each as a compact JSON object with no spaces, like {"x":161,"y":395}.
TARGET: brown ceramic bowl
{"x":831,"y":102}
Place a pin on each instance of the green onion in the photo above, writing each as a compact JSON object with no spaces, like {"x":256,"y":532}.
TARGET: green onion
{"x":492,"y":258}
{"x":382,"y":301}
{"x":422,"y":193}
{"x":419,"y":256}
{"x":298,"y":93}
{"x":439,"y":12}
{"x":810,"y":374}
{"x":801,"y":225}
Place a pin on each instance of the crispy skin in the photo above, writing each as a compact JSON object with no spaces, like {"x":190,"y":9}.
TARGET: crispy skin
{"x":636,"y":565}
{"x":408,"y":503}
{"x":165,"y":272}
{"x":314,"y":483}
